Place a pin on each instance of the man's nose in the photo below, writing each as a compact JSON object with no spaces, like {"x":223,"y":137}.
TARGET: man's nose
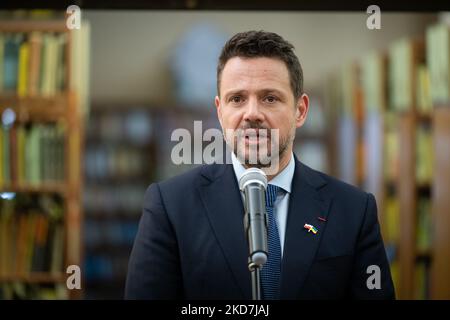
{"x":253,"y":111}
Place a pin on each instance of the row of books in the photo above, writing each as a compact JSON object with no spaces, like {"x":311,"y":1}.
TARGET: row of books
{"x":31,"y":154}
{"x":31,"y":236}
{"x":32,"y":291}
{"x":114,"y":200}
{"x":391,"y":222}
{"x":33,"y":63}
{"x":424,"y":155}
{"x":134,"y":127}
{"x":115,"y":161}
{"x":106,"y":267}
{"x":417,"y":78}
{"x":111,"y":232}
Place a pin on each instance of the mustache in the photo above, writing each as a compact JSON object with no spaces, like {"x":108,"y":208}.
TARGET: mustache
{"x":253,"y":125}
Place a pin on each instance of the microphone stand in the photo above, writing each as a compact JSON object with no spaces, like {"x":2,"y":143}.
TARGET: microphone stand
{"x":256,"y":280}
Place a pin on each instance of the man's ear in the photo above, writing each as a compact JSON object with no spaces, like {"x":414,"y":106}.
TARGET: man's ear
{"x":301,"y":110}
{"x":218,"y":108}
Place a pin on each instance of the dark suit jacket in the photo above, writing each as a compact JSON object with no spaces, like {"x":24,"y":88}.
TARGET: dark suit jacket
{"x":191,"y":242}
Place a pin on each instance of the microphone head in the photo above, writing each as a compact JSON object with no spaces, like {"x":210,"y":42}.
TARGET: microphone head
{"x":252,"y":175}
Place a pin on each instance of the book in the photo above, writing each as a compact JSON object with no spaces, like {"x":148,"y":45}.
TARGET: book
{"x":423,"y":90}
{"x":22,"y":77}
{"x":35,"y":63}
{"x":401,"y":75}
{"x":438,"y":62}
{"x":424,"y":225}
{"x":424,"y":155}
{"x":373,"y":82}
{"x":11,"y":62}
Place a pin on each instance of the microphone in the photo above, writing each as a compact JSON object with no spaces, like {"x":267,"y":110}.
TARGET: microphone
{"x":253,"y":184}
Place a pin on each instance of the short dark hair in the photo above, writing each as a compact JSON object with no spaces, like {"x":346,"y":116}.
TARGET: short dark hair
{"x":255,"y":44}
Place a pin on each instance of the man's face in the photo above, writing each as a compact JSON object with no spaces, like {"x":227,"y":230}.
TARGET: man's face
{"x":255,"y":93}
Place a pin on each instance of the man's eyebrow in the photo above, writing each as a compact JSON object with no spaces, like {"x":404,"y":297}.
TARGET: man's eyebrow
{"x":272,"y":90}
{"x":234,"y":92}
{"x":263,"y":91}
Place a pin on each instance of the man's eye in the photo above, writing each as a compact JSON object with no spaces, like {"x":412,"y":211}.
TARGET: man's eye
{"x":271,"y":99}
{"x":236,"y":99}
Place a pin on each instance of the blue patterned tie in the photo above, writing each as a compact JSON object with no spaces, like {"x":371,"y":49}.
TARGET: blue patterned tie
{"x":271,"y":271}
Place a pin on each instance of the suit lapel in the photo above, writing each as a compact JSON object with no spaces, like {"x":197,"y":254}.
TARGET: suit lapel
{"x":222,"y":200}
{"x":305,"y":206}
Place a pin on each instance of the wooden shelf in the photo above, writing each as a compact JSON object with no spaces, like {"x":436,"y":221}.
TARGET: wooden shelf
{"x":64,"y":107}
{"x":29,"y":26}
{"x":59,"y":188}
{"x":440,"y":268}
{"x":424,"y":118}
{"x":38,"y":277}
{"x":36,"y":109}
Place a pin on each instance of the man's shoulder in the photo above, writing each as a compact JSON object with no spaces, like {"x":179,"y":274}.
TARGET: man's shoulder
{"x":334,"y":185}
{"x":194,"y":176}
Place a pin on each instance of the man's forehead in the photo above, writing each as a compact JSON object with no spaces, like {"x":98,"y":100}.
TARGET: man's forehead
{"x":255,"y":65}
{"x":272,"y":72}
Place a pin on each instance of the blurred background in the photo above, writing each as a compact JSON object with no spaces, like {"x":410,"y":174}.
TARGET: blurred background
{"x":87,"y":118}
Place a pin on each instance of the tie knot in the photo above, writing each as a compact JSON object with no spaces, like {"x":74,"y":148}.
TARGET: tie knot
{"x":271,"y":194}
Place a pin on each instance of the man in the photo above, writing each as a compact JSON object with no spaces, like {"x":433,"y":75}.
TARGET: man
{"x":324,"y":237}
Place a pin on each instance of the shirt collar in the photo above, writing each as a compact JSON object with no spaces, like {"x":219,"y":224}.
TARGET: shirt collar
{"x":282,"y":179}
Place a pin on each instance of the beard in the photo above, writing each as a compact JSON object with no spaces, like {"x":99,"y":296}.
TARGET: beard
{"x":258,"y":146}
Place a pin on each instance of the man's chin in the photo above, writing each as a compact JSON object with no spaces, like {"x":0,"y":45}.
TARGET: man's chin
{"x":252,"y":158}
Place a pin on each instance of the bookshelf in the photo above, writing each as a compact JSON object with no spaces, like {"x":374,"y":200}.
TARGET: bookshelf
{"x":440,"y":275}
{"x":41,"y":157}
{"x":127,"y":147}
{"x":119,"y":166}
{"x":406,"y":156}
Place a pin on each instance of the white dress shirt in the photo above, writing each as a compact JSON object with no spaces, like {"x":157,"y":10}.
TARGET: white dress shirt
{"x":282,"y":180}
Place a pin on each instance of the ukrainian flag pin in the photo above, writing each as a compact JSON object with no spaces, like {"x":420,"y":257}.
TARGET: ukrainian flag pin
{"x":310,"y":228}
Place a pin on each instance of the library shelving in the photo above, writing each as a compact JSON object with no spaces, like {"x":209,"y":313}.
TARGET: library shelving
{"x":41,"y":155}
{"x":406,"y":155}
{"x":127,"y":147}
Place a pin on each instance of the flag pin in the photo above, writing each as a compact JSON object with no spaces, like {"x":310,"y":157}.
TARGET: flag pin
{"x":310,"y":228}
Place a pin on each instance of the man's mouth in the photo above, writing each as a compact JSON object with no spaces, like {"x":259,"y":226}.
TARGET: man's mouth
{"x":255,"y":136}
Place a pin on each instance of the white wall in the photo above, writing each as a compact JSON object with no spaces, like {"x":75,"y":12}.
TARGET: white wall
{"x":130,"y":48}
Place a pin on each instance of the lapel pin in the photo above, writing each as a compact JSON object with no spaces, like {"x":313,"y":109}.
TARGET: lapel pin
{"x":310,"y":228}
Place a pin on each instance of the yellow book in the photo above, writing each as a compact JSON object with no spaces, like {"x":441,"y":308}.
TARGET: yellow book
{"x":22,"y":81}
{"x":21,"y":154}
{"x":423,"y":93}
{"x":392,"y":219}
